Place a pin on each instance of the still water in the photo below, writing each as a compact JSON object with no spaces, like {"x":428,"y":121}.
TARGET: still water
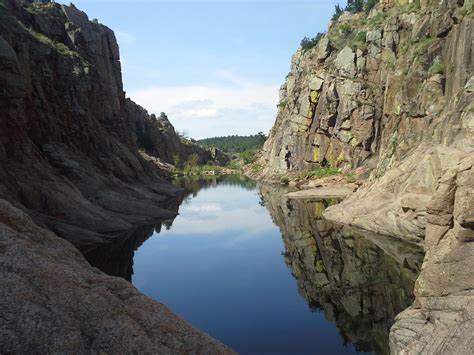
{"x":268,"y":275}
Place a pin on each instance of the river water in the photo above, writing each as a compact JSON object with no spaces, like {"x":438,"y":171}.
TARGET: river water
{"x":268,"y":275}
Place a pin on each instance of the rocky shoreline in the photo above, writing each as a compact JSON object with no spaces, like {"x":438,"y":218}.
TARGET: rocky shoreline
{"x":52,"y":301}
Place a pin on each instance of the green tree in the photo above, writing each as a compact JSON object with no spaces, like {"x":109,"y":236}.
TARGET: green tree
{"x":355,"y":5}
{"x":249,"y":156}
{"x":337,"y":12}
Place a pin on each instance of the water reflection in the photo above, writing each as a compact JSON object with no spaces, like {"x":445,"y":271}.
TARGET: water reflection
{"x":116,"y":258}
{"x":358,"y":279}
{"x":220,"y":265}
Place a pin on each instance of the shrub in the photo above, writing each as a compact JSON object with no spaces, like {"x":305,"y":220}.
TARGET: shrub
{"x":323,"y":171}
{"x":256,"y":168}
{"x":436,"y":68}
{"x":234,"y":165}
{"x":360,"y":36}
{"x":350,"y":177}
{"x":355,"y":5}
{"x":308,"y":43}
{"x":284,"y":180}
{"x":177,"y":161}
{"x":369,"y":5}
{"x":337,"y":12}
{"x":345,"y":30}
{"x":192,"y":161}
{"x":249,"y":156}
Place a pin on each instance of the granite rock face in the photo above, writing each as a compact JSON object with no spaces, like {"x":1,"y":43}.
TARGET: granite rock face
{"x":71,"y":172}
{"x":158,"y":138}
{"x":69,"y":139}
{"x":76,"y":308}
{"x":373,"y":88}
{"x":441,"y":319}
{"x":396,"y":105}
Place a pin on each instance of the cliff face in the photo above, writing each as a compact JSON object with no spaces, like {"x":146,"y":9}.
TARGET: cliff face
{"x":71,"y":167}
{"x":158,"y":138}
{"x":374,"y":87}
{"x":69,"y":140}
{"x":390,"y":94}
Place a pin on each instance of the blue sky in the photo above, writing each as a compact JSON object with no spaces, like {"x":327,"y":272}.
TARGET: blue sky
{"x":213,"y":66}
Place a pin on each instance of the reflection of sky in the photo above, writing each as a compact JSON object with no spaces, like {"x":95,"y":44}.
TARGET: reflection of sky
{"x":220,"y":267}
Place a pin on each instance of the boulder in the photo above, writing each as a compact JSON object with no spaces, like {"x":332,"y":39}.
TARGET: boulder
{"x":345,"y":62}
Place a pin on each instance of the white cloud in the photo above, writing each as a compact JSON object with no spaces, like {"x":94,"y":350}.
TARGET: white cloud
{"x":237,"y":107}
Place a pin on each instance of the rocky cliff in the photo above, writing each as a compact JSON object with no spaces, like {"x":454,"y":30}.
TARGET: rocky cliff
{"x":374,"y":87}
{"x":71,"y":167}
{"x":69,"y":139}
{"x":157,"y":137}
{"x":389,"y":94}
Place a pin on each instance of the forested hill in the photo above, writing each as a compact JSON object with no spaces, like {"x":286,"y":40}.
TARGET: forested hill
{"x":234,"y":144}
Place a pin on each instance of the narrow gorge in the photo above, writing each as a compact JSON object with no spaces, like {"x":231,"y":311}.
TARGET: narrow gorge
{"x":98,"y":225}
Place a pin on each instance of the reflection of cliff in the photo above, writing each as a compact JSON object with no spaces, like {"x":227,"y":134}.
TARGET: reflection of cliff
{"x":195,"y":184}
{"x":116,"y":258}
{"x":358,"y":280}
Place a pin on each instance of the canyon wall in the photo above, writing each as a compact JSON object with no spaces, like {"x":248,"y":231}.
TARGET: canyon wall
{"x":374,"y":87}
{"x":389,"y":95}
{"x":69,"y":139}
{"x":71,"y":167}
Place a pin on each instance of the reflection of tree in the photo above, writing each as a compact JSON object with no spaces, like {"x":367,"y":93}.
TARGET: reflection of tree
{"x":359,"y":280}
{"x":192,"y":185}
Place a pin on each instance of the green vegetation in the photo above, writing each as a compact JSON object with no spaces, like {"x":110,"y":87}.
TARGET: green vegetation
{"x":436,"y":68}
{"x":234,"y":165}
{"x":337,"y":12}
{"x":369,"y":5}
{"x":57,"y":46}
{"x":319,"y":266}
{"x":82,"y":65}
{"x":256,"y":168}
{"x":249,"y":156}
{"x":177,"y":161}
{"x":281,"y":104}
{"x":360,"y":36}
{"x":354,"y":6}
{"x":421,"y":47}
{"x":350,"y":177}
{"x":284,"y":180}
{"x":378,"y":19}
{"x":322,"y":172}
{"x":308,"y":43}
{"x":234,"y":144}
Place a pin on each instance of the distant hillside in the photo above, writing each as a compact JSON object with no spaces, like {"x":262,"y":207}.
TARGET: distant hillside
{"x":234,"y":144}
